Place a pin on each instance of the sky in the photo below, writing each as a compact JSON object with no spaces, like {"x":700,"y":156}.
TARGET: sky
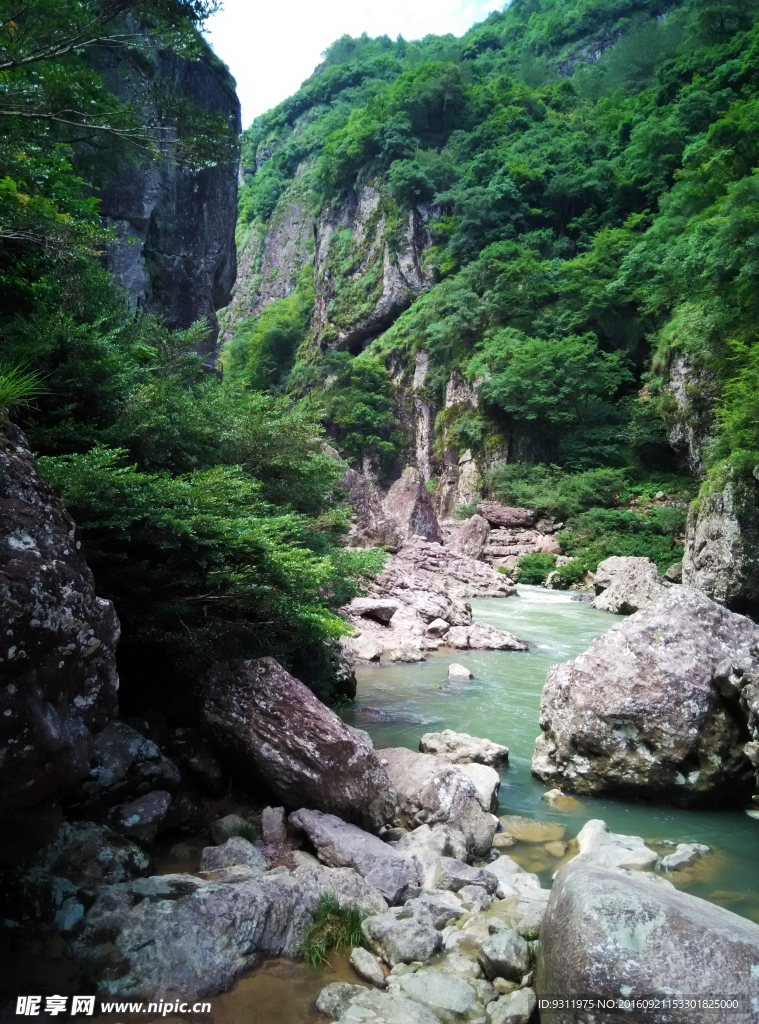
{"x":272,"y":46}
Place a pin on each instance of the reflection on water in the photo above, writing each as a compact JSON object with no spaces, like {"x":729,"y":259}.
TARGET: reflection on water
{"x":397,"y":704}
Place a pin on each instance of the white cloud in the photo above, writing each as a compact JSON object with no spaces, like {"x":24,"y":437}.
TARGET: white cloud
{"x":272,"y":46}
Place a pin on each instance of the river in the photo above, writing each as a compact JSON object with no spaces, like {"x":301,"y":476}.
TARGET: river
{"x":396,"y":704}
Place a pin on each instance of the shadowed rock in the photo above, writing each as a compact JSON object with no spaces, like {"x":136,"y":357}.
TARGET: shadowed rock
{"x":270,"y":726}
{"x":58,"y":678}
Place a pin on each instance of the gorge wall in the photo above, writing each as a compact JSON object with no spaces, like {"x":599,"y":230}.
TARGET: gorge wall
{"x":176,"y":224}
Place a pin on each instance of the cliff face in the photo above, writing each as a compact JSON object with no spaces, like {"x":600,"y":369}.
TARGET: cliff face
{"x":176,"y":225}
{"x":58,"y":679}
{"x":367,"y":262}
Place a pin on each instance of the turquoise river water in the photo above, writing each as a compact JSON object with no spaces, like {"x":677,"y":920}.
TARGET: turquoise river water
{"x":397,"y":704}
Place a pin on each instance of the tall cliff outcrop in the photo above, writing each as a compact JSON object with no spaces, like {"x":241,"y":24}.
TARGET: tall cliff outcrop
{"x":58,"y":681}
{"x":176,"y":224}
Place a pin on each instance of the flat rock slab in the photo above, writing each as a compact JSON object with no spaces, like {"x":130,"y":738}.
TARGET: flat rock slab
{"x":339,"y":844}
{"x":269,"y":725}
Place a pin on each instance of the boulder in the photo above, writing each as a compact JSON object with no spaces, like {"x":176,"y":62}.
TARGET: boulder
{"x":455,"y":671}
{"x":505,"y":955}
{"x":272,"y":727}
{"x":381,"y":609}
{"x":455,"y":875}
{"x":90,"y":855}
{"x":408,"y":504}
{"x":426,"y":846}
{"x":58,"y":680}
{"x":367,"y":648}
{"x":403,"y":934}
{"x":515,"y":1008}
{"x":474,"y":898}
{"x":141,"y":819}
{"x":438,"y":628}
{"x":597,"y":845}
{"x":633,"y":583}
{"x":236,"y":851}
{"x":432,"y":568}
{"x":339,"y":844}
{"x":498,"y":514}
{"x":451,"y":999}
{"x":721,"y":545}
{"x":124,"y":764}
{"x":461,"y":748}
{"x":369,"y":1004}
{"x":431,"y":790}
{"x":470,"y":538}
{"x":609,"y":933}
{"x":367,"y":967}
{"x":675,"y":573}
{"x":179,"y":933}
{"x":685,"y":855}
{"x":486,"y":781}
{"x":230,"y":825}
{"x":371,"y":526}
{"x":444,"y":906}
{"x":407,"y":653}
{"x":274,"y":826}
{"x":649,"y":710}
{"x":481,"y":636}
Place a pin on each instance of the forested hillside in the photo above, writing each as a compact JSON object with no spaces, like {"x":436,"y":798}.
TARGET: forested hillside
{"x":581,"y":185}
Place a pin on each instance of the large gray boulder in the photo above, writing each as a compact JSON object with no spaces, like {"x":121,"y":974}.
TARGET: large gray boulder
{"x":612,"y":934}
{"x":470,"y":538}
{"x":58,"y":680}
{"x":339,"y":844}
{"x":431,"y":790}
{"x":371,"y":526}
{"x":272,"y":728}
{"x":659,"y":707}
{"x":408,"y":503}
{"x":624,"y":585}
{"x":180,"y":933}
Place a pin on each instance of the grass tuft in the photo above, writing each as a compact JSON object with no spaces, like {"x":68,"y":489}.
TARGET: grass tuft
{"x":332,"y":927}
{"x":17,"y":386}
{"x":245,"y":830}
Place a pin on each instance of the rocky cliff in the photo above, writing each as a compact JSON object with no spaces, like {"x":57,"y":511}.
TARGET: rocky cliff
{"x":58,"y":679}
{"x":176,"y":224}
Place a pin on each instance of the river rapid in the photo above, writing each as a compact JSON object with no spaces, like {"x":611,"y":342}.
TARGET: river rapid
{"x":397,"y":703}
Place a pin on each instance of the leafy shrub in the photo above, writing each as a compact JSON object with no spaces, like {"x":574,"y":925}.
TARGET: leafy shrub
{"x":535,"y":568}
{"x":332,"y":927}
{"x":601,"y":533}
{"x":573,"y":572}
{"x":555,"y":492}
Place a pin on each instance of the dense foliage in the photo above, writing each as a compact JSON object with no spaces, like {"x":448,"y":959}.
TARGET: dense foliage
{"x":594,"y":225}
{"x":210,"y":511}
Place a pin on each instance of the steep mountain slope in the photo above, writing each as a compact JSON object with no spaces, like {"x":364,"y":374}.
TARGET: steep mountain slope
{"x":543,"y":231}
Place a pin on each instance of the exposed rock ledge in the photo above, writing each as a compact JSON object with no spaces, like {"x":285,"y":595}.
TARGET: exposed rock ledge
{"x":418,"y":604}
